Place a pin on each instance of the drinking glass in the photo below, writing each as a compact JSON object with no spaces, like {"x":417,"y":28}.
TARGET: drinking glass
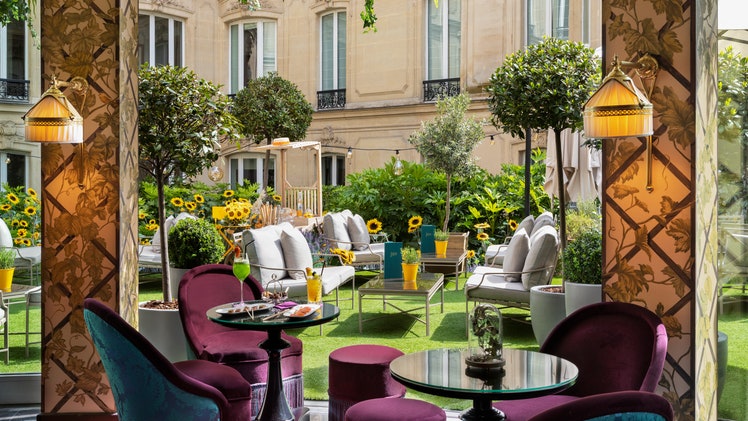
{"x":241,"y":271}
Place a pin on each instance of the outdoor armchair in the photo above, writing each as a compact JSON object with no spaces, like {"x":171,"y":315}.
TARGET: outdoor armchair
{"x":349,"y":232}
{"x":616,"y":347}
{"x":147,"y":386}
{"x":207,"y":286}
{"x":628,"y":406}
{"x":495,"y":253}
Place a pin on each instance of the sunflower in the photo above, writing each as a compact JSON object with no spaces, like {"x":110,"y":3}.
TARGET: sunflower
{"x":228,"y":193}
{"x":145,"y":242}
{"x":276,"y":198}
{"x":199,"y":198}
{"x":17,"y":241}
{"x":30,"y":211}
{"x":482,"y":226}
{"x":470,"y":254}
{"x":26,"y":242}
{"x":23,"y":223}
{"x":178,"y":202}
{"x":415,"y":221}
{"x":141,"y":215}
{"x":31,"y":192}
{"x":12,"y":198}
{"x":151,"y":221}
{"x":512,"y":224}
{"x":373,"y":225}
{"x":243,"y":200}
{"x":412,"y":229}
{"x":482,"y":236}
{"x":190,"y":206}
{"x":5,"y":207}
{"x":22,"y":232}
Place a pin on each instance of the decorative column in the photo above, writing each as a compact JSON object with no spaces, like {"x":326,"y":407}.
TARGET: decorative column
{"x":660,"y":247}
{"x":89,"y":198}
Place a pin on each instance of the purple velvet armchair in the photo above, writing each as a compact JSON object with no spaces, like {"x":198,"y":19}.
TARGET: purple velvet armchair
{"x":616,"y":346}
{"x":207,"y":286}
{"x":632,"y":405}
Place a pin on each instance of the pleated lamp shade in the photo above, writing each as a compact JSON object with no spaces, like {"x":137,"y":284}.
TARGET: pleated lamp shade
{"x":53,"y":119}
{"x":617,"y":109}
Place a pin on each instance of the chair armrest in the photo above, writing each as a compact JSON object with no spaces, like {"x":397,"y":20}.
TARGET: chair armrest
{"x":504,"y":273}
{"x":353,"y":244}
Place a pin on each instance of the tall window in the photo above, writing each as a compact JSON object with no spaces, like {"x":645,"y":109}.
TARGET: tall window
{"x":13,"y":83}
{"x":332,"y":61}
{"x":160,"y":41}
{"x":333,"y":170}
{"x":443,"y":40}
{"x":249,"y":168}
{"x":547,"y":17}
{"x":253,"y":52}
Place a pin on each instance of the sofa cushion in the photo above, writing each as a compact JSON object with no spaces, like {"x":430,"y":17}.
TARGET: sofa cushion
{"x":543,"y":252}
{"x":527,"y":224}
{"x":264,"y":248}
{"x":494,"y":287}
{"x":296,"y":252}
{"x":358,"y":232}
{"x":334,"y":227}
{"x":516,"y":253}
{"x":543,"y":220}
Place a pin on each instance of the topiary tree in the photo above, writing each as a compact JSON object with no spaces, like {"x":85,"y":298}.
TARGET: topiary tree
{"x":271,"y":107}
{"x":447,"y":142}
{"x":544,"y":87}
{"x":181,"y":120}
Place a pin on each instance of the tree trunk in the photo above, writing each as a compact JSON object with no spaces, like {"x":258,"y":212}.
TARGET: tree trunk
{"x":165,"y":279}
{"x":446,"y":206}
{"x":528,"y":167}
{"x":266,"y":167}
{"x":561,"y":190}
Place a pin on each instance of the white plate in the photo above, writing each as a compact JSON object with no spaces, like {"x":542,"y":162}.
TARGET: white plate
{"x":290,"y":313}
{"x":248,"y":307}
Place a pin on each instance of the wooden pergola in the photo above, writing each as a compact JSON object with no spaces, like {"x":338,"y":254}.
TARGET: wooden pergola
{"x":310,"y":196}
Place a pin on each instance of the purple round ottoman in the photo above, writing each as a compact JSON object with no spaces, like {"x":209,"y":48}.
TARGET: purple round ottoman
{"x":387,"y":409}
{"x":358,"y":373}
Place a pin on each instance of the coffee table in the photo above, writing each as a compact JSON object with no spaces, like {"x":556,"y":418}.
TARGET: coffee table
{"x":443,"y":372}
{"x":425,"y":286}
{"x":454,"y":258}
{"x":275,"y":406}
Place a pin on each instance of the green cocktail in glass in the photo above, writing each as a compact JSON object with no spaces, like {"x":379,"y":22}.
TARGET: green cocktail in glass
{"x":241,"y":271}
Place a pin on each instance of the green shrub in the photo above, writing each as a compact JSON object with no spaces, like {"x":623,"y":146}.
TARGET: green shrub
{"x":7,"y":258}
{"x":583,"y":258}
{"x":194,"y":242}
{"x":585,"y":217}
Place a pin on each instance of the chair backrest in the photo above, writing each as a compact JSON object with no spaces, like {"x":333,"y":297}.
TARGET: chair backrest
{"x":616,"y":406}
{"x":543,"y":253}
{"x":203,"y":288}
{"x":145,"y":385}
{"x":616,"y":346}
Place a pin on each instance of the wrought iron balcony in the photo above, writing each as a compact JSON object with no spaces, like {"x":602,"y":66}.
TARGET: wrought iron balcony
{"x":433,"y":89}
{"x":332,"y":99}
{"x":14,"y":90}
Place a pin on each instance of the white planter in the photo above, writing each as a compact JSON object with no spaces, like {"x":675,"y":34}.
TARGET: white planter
{"x":546,"y":310}
{"x":163,"y":329}
{"x":580,"y":295}
{"x":175,"y":275}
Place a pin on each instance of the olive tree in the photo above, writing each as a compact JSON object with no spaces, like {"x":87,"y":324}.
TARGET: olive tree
{"x":544,"y":87}
{"x":181,"y":120}
{"x":271,"y":107}
{"x":447,"y":142}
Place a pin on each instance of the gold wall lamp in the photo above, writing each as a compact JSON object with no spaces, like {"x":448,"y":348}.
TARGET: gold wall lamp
{"x":54,"y":119}
{"x":619,"y":109}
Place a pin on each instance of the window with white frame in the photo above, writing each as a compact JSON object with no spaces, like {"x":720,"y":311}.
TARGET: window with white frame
{"x":551,"y":18}
{"x":252,"y":48}
{"x":248,"y":168}
{"x":332,"y":39}
{"x":13,"y":51}
{"x":443,"y":29}
{"x":14,"y":169}
{"x":333,"y":169}
{"x":160,"y":40}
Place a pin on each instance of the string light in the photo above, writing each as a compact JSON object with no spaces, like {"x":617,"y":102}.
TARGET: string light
{"x":492,"y":141}
{"x":349,"y":154}
{"x":398,"y":169}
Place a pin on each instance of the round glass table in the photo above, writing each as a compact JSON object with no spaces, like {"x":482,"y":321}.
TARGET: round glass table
{"x":443,"y":372}
{"x":275,"y":407}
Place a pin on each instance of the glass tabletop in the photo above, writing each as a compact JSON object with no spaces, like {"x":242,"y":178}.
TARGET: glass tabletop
{"x":259,"y":320}
{"x":444,"y":372}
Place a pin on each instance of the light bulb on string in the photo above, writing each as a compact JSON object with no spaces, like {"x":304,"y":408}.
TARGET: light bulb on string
{"x":492,"y":141}
{"x":398,"y":168}
{"x":349,"y":154}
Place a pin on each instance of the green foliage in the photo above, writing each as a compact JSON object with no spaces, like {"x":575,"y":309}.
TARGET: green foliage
{"x":411,"y":255}
{"x":440,"y":235}
{"x":194,"y":242}
{"x":447,"y":142}
{"x":20,"y":209}
{"x":7,"y":258}
{"x":18,"y":10}
{"x":583,"y":258}
{"x":271,"y":107}
{"x":585,"y":217}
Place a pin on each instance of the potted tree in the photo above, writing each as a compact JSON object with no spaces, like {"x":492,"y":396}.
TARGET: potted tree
{"x":7,"y":267}
{"x":582,"y":261}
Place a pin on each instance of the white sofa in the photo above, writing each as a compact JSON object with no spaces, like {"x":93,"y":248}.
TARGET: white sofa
{"x":349,"y":232}
{"x":280,"y":254}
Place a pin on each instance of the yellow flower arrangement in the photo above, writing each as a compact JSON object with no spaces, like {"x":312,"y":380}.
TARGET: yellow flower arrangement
{"x":20,"y":209}
{"x":12,"y":198}
{"x":482,"y":226}
{"x":228,"y":193}
{"x":373,"y":226}
{"x":31,"y":192}
{"x":415,"y":222}
{"x":199,"y":198}
{"x":141,"y":215}
{"x":30,"y":211}
{"x":191,"y":206}
{"x":238,"y":212}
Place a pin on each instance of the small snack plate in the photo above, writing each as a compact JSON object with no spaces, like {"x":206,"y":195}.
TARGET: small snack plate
{"x":300,"y":311}
{"x":248,"y":307}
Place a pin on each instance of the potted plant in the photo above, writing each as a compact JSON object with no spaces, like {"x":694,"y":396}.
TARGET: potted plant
{"x":582,"y":261}
{"x":441,"y":240}
{"x":411,"y":258}
{"x":7,"y":267}
{"x":192,"y":242}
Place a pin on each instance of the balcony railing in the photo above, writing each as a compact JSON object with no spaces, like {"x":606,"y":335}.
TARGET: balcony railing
{"x":14,"y":90}
{"x":433,"y":89}
{"x":332,"y":99}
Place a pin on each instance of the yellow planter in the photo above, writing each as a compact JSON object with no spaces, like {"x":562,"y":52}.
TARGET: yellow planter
{"x":6,"y":279}
{"x":441,"y":247}
{"x":410,"y":271}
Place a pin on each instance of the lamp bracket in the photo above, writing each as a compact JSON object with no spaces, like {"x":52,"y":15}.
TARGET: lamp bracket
{"x":78,"y":84}
{"x":646,"y":66}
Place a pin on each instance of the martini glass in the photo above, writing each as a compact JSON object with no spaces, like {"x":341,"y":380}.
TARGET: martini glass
{"x":241,"y":271}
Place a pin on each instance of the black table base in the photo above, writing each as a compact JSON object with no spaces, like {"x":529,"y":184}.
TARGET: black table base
{"x":275,"y":406}
{"x":482,"y":411}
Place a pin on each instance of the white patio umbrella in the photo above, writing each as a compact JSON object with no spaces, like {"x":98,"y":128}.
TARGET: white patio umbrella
{"x":581,"y":168}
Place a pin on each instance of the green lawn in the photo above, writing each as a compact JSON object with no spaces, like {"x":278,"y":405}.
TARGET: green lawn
{"x":447,"y":330}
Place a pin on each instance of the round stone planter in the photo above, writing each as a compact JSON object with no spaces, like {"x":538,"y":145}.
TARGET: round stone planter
{"x":175,"y":275}
{"x":547,"y":308}
{"x":163,"y":329}
{"x":580,"y":295}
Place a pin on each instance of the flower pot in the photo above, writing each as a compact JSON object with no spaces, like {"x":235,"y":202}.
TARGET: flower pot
{"x":441,"y":247}
{"x":410,"y":272}
{"x":580,"y":295}
{"x":175,"y":276}
{"x":547,"y":308}
{"x":163,"y":329}
{"x":6,"y":279}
